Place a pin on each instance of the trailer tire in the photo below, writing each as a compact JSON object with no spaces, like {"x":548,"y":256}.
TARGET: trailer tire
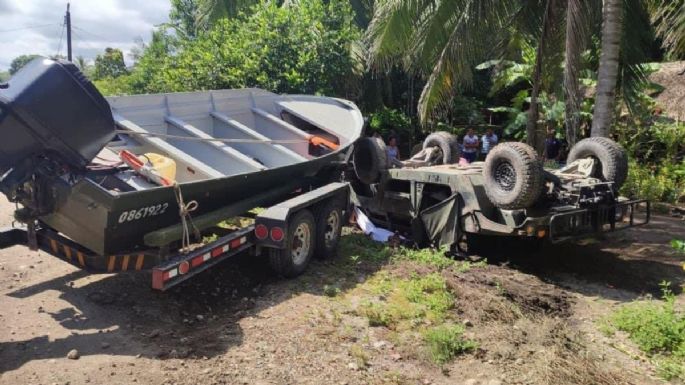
{"x":293,"y":259}
{"x":370,"y":159}
{"x":611,"y":156}
{"x":329,"y":223}
{"x":512,"y":176}
{"x":448,"y":145}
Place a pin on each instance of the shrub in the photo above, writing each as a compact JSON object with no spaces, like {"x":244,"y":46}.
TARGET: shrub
{"x":663,"y":183}
{"x":387,"y":121}
{"x":446,"y":342}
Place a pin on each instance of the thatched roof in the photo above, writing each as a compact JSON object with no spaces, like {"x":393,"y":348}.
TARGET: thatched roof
{"x":671,"y":100}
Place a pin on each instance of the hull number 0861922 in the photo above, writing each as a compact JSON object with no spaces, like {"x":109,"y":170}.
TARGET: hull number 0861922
{"x":145,"y":212}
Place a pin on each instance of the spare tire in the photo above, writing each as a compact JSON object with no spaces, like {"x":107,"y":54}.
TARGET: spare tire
{"x":513,"y":176}
{"x":448,"y":145}
{"x":370,"y":159}
{"x":611,"y":156}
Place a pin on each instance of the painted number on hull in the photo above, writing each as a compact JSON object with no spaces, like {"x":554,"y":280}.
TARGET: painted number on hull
{"x":134,"y":215}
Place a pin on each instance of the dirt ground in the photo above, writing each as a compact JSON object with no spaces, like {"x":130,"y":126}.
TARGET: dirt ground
{"x":535,"y":318}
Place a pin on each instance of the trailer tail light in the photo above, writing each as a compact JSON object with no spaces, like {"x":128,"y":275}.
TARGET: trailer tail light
{"x":277,"y":234}
{"x":261,"y":232}
{"x":184,"y":267}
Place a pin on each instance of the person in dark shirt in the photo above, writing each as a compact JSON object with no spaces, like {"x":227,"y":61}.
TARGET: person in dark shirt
{"x":552,"y":147}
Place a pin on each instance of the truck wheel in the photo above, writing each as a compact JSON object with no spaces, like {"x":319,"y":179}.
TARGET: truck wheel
{"x":611,"y":156}
{"x":328,"y":228}
{"x":448,"y":145}
{"x":292,"y":260}
{"x":513,"y":176}
{"x":370,"y":159}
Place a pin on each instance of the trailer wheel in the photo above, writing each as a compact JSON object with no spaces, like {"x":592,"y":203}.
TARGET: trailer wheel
{"x":513,"y":176}
{"x":611,"y":156}
{"x":292,"y":260}
{"x":448,"y":145}
{"x":369,"y":159}
{"x":328,"y":228}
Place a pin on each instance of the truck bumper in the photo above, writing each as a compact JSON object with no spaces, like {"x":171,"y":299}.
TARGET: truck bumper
{"x":601,"y":219}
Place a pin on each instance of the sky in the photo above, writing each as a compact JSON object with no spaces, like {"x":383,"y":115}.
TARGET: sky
{"x":35,"y":26}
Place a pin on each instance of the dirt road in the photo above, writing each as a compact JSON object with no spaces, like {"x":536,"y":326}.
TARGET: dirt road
{"x":535,"y":318}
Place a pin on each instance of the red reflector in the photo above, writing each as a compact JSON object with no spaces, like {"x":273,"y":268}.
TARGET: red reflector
{"x":276,"y":234}
{"x":183,"y":267}
{"x":197,"y":261}
{"x":236,"y":243}
{"x":217,"y":252}
{"x":261,"y":232}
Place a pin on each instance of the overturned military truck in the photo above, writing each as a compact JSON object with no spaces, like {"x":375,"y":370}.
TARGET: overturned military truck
{"x":436,"y":201}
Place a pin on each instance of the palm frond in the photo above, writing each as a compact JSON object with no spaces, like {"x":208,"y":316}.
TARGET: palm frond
{"x":636,"y":39}
{"x":669,"y":19}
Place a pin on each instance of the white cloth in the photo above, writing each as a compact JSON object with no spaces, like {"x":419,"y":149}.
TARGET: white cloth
{"x":377,"y":234}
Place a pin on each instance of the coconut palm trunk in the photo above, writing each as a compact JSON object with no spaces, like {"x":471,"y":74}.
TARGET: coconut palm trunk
{"x":533,"y":138}
{"x":574,"y":42}
{"x":612,"y":14}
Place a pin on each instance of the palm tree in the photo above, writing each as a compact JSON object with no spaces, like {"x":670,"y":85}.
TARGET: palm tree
{"x":607,"y":76}
{"x":441,"y":41}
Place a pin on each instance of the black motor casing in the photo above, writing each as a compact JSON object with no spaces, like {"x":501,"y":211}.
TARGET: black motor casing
{"x":50,"y":109}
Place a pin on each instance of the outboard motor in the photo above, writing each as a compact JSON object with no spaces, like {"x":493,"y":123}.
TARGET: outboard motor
{"x":53,"y":122}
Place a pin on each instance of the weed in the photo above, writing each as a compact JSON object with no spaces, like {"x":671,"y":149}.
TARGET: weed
{"x":209,"y":238}
{"x":360,"y":356}
{"x":376,"y":313}
{"x":331,"y":290}
{"x":429,"y":257}
{"x":658,"y":329}
{"x":417,"y":300}
{"x":446,"y":342}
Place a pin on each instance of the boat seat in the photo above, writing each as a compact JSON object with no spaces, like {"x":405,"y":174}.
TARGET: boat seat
{"x":272,"y":155}
{"x":188,"y":167}
{"x":211,"y":152}
{"x":275,"y":128}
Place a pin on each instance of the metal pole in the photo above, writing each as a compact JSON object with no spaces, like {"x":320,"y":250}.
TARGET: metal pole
{"x":68,"y":18}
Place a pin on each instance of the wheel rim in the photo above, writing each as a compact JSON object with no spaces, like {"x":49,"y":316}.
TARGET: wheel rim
{"x":301,"y":243}
{"x":505,"y":175}
{"x":332,"y":224}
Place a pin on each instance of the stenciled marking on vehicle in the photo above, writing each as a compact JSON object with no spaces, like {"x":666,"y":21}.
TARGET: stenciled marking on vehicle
{"x":144,"y":212}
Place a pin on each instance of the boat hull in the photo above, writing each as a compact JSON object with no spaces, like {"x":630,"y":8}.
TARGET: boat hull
{"x":114,"y":224}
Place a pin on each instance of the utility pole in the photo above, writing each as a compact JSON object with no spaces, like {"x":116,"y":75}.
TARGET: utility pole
{"x":67,"y":19}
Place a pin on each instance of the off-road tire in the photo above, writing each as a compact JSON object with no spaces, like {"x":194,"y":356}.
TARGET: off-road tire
{"x":512,"y":176}
{"x":328,"y":248}
{"x":370,"y":159}
{"x":283,"y":261}
{"x":448,"y":145}
{"x":611,"y":156}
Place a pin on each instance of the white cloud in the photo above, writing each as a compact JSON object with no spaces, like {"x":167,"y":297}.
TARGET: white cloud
{"x":35,"y":26}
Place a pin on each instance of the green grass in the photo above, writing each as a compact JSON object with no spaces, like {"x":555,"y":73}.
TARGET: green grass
{"x":447,"y":341}
{"x":407,"y":302}
{"x":355,"y":248}
{"x":658,"y":329}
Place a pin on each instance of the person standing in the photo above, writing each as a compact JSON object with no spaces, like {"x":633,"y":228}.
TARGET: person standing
{"x":471,"y":145}
{"x":552,"y":151}
{"x":488,"y":141}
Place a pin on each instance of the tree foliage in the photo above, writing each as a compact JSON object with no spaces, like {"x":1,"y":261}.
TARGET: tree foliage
{"x":110,"y":64}
{"x":302,"y":47}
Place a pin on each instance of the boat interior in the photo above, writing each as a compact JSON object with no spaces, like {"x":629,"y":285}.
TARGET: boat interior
{"x":214,"y":134}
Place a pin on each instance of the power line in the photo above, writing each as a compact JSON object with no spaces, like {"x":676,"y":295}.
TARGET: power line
{"x":24,"y":28}
{"x":61,"y":35}
{"x":90,"y":33}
